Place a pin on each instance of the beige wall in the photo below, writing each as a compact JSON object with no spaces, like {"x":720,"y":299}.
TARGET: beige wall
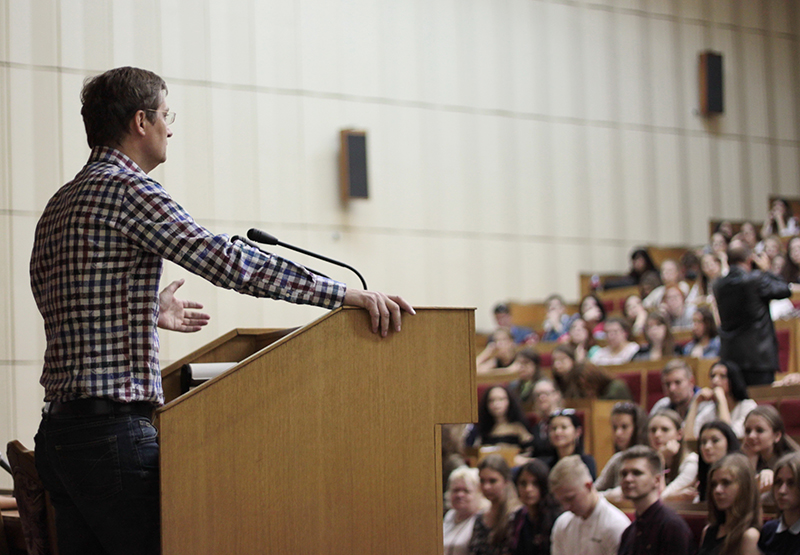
{"x":512,"y":143}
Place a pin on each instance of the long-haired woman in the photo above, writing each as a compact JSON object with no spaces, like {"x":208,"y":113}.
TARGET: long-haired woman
{"x":776,"y":536}
{"x":725,"y":400}
{"x":501,"y":420}
{"x":629,"y":428}
{"x":765,"y":441}
{"x":493,"y":532}
{"x":734,"y":509}
{"x":665,"y":435}
{"x":534,"y":521}
{"x":715,"y":440}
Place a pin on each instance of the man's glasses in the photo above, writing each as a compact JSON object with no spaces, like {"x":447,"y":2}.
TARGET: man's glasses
{"x":169,"y":117}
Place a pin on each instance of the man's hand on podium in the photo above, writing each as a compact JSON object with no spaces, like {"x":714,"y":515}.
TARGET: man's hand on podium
{"x":383,"y":309}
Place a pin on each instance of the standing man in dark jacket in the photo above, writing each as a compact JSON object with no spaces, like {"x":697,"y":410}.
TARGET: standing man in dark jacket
{"x":746,"y":330}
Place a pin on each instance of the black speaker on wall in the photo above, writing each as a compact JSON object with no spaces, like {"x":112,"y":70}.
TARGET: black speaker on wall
{"x":711,"y":83}
{"x":353,"y":164}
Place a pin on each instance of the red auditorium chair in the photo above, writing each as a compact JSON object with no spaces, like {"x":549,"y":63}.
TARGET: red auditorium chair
{"x":654,"y":389}
{"x":784,"y":344}
{"x":634,"y":382}
{"x":790,"y":412}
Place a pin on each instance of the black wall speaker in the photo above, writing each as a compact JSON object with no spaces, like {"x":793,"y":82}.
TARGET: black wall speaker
{"x":711,"y":85}
{"x":353,"y":164}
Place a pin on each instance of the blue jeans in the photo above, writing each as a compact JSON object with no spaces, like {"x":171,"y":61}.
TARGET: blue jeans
{"x":102,"y":476}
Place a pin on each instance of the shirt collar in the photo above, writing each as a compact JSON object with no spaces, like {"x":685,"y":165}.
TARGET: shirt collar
{"x":794,"y":530}
{"x":113,"y":156}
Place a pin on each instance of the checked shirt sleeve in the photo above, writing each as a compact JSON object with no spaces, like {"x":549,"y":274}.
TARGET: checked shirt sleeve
{"x":152,"y":219}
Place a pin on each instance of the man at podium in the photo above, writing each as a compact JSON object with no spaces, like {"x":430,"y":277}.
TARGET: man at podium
{"x":95,"y":270}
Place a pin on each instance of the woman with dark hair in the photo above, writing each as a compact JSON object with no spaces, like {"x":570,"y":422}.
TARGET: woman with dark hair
{"x":527,"y":366}
{"x":734,"y":509}
{"x":779,"y":220}
{"x":593,"y":313}
{"x":534,"y":521}
{"x":493,"y":531}
{"x":629,"y":428}
{"x":564,"y":433}
{"x":791,"y":270}
{"x":705,"y":341}
{"x":660,"y":342}
{"x":580,"y":338}
{"x":780,"y":536}
{"x":716,"y":439}
{"x":636,"y":314}
{"x":765,"y":441}
{"x":595,"y":382}
{"x":501,"y":420}
{"x":640,"y":263}
{"x":725,"y":400}
{"x":564,"y":371}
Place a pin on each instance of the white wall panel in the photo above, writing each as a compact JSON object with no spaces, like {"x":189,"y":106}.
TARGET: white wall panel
{"x":754,"y":87}
{"x":784,"y":99}
{"x":734,"y":71}
{"x":664,"y":73}
{"x":602,"y":203}
{"x":723,"y":11}
{"x":5,"y":144}
{"x":600,"y":92}
{"x":690,"y":9}
{"x":492,"y":55}
{"x":7,"y":416}
{"x":760,"y":177}
{"x":33,"y":136}
{"x":359,"y":38}
{"x":751,"y":14}
{"x":638,"y":190}
{"x":72,"y":136}
{"x":691,"y":44}
{"x":535,"y":188}
{"x":6,"y":290}
{"x":565,"y":66}
{"x":779,"y":15}
{"x":33,"y":33}
{"x":527,"y":32}
{"x":568,"y":194}
{"x":732,"y":180}
{"x":28,"y":336}
{"x":698,"y":202}
{"x":86,"y":32}
{"x":275,"y":44}
{"x":632,"y":81}
{"x":669,"y":200}
{"x":401,"y":50}
{"x":662,"y":7}
{"x":185,"y":39}
{"x":788,"y":178}
{"x":439,"y":50}
{"x":321,"y":45}
{"x":231,"y":42}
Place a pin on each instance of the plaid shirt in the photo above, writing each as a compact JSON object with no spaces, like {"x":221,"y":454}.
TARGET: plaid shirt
{"x":95,"y":270}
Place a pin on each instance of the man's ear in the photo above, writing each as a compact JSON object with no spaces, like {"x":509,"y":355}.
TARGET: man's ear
{"x":136,"y":126}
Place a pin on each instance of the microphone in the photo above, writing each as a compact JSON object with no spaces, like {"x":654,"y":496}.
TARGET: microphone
{"x":265,"y":238}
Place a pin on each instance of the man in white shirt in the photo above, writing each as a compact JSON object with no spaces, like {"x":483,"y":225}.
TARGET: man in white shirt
{"x":677,"y":381}
{"x":590,"y":525}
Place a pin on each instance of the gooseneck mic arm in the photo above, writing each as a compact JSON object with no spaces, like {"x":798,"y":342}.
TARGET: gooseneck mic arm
{"x":258,"y":236}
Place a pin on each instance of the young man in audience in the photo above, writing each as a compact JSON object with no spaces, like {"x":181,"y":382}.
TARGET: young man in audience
{"x":591,"y":525}
{"x":657,"y":529}
{"x":677,"y":381}
{"x":502,"y":315}
{"x":557,"y":321}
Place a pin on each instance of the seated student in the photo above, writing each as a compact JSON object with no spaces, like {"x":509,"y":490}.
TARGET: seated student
{"x":677,"y":381}
{"x":660,"y":342}
{"x":465,"y":500}
{"x":564,"y":372}
{"x":670,"y":275}
{"x":593,"y":313}
{"x":772,"y":247}
{"x":547,"y":399}
{"x":581,"y":340}
{"x":725,"y":400}
{"x":564,"y":430}
{"x":781,"y":536}
{"x":791,"y":270}
{"x":619,"y":350}
{"x":520,"y":334}
{"x":765,"y":441}
{"x":629,"y":428}
{"x":716,"y":439}
{"x":779,"y":220}
{"x":557,"y":321}
{"x":636,"y":314}
{"x":711,"y":267}
{"x":665,"y":435}
{"x":527,"y":365}
{"x":657,"y":530}
{"x":734,"y":509}
{"x":640,"y":264}
{"x":500,"y":421}
{"x":677,"y":311}
{"x":493,"y":531}
{"x":499,"y":353}
{"x":777,"y":264}
{"x":595,"y":382}
{"x":533,"y":522}
{"x":590,"y":525}
{"x":705,"y":341}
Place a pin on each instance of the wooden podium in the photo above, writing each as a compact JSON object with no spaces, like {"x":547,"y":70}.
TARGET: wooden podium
{"x":324,"y":441}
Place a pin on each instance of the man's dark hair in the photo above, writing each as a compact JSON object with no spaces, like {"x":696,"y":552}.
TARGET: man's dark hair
{"x":738,"y":254}
{"x":112,"y":98}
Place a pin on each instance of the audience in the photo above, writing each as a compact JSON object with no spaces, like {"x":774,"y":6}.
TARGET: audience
{"x":499,"y":353}
{"x":677,"y":382}
{"x":619,"y":350}
{"x":593,"y":313}
{"x":581,"y":340}
{"x":734,"y":509}
{"x":493,"y":531}
{"x":546,"y":400}
{"x":716,"y":440}
{"x":791,"y":270}
{"x":660,"y":342}
{"x":725,"y":400}
{"x":595,"y":382}
{"x":665,"y":435}
{"x":675,"y":307}
{"x":780,"y":221}
{"x":465,"y":500}
{"x":527,"y":366}
{"x":500,"y":421}
{"x":670,"y":275}
{"x":564,"y":371}
{"x":629,"y":428}
{"x":590,"y":525}
{"x":636,"y":314}
{"x":765,"y":441}
{"x":557,"y":321}
{"x":533,"y":522}
{"x":705,"y":341}
{"x":520,"y":334}
{"x":711,"y":268}
{"x":564,"y":430}
{"x":782,"y":535}
{"x":657,"y":529}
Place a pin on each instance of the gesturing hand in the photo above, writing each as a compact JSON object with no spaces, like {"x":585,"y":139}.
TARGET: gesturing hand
{"x":383,"y":309}
{"x":173,"y":314}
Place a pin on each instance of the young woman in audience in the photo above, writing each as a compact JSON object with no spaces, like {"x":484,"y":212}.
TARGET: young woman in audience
{"x":765,"y":441}
{"x":499,"y":354}
{"x":748,"y":235}
{"x":501,"y":420}
{"x":716,"y":440}
{"x":465,"y":500}
{"x":734,"y":509}
{"x":595,"y":382}
{"x":564,"y":431}
{"x":773,"y":247}
{"x":777,"y":265}
{"x":527,"y":365}
{"x":641,"y":263}
{"x":660,"y":342}
{"x":725,"y":400}
{"x":564,"y":373}
{"x":779,"y":220}
{"x":719,"y":244}
{"x":619,"y":350}
{"x":581,"y":340}
{"x":677,"y":311}
{"x":791,"y":270}
{"x":636,"y":314}
{"x":670,"y":275}
{"x":533,"y":522}
{"x":593,"y":313}
{"x":705,"y":341}
{"x":493,"y":531}
{"x":629,"y":427}
{"x":781,"y":536}
{"x":711,"y":267}
{"x":664,"y":434}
